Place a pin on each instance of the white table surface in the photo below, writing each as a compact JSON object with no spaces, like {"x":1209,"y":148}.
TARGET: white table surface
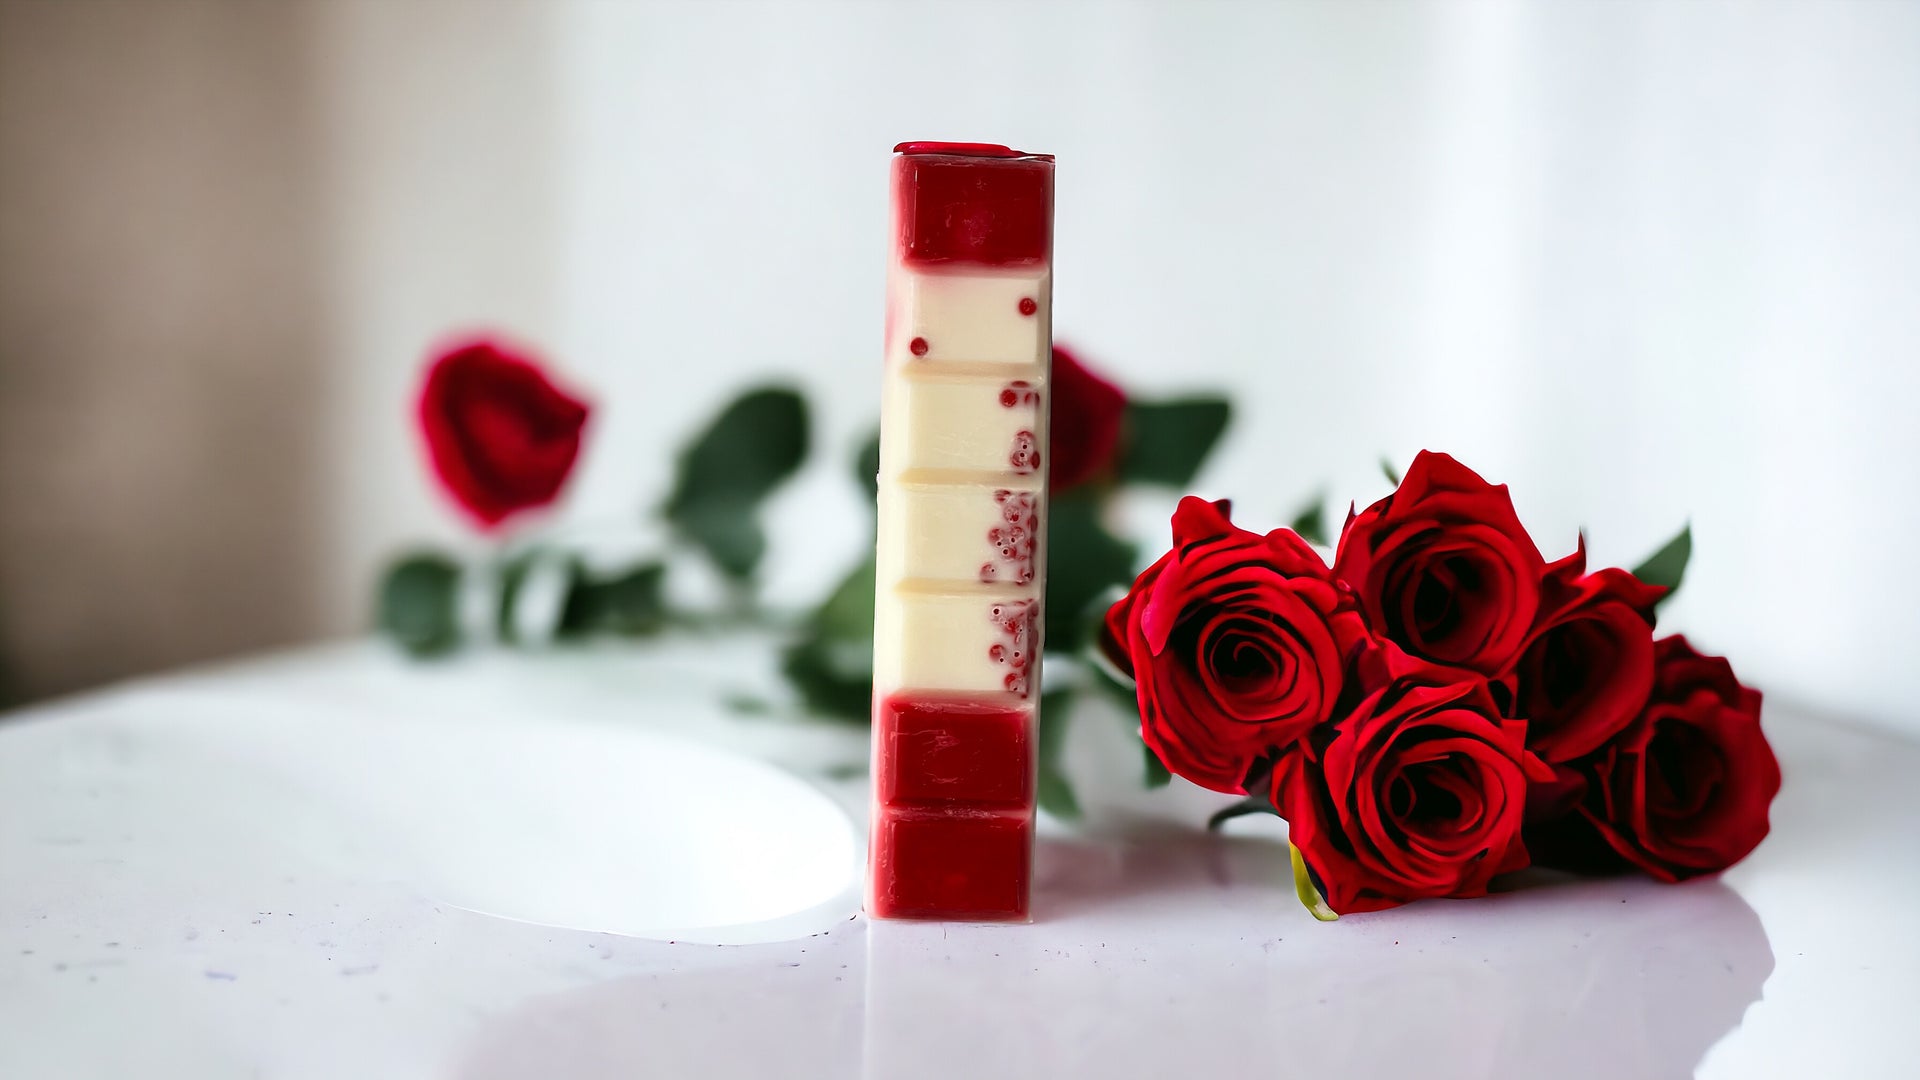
{"x":277,"y":869}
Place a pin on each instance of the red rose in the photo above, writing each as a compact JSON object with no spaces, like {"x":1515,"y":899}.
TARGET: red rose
{"x":1588,"y":665}
{"x":1443,"y":568}
{"x":1086,"y":415}
{"x":501,"y":436}
{"x":1418,"y":792}
{"x":1238,"y":643}
{"x":1685,"y":789}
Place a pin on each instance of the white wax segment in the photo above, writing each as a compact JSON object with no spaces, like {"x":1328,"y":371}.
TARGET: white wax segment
{"x":962,"y":481}
{"x":954,"y":416}
{"x":936,"y":528}
{"x":971,"y":642}
{"x":974,"y":315}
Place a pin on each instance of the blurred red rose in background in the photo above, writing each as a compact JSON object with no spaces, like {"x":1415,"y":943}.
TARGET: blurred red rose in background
{"x":1086,"y":421}
{"x":502,"y":437}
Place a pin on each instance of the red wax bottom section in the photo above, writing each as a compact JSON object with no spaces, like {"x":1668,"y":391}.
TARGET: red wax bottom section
{"x":951,"y":864}
{"x":954,"y":751}
{"x":953,"y":809}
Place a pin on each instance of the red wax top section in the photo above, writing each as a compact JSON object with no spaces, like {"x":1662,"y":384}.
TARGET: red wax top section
{"x":967,"y":149}
{"x":976,"y":204}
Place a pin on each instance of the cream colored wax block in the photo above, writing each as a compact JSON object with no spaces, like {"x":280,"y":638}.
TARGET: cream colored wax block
{"x":970,"y":420}
{"x":960,"y":533}
{"x":974,"y":317}
{"x":976,"y":641}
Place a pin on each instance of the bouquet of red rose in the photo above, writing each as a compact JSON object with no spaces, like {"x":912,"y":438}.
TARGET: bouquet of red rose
{"x":1442,"y":706}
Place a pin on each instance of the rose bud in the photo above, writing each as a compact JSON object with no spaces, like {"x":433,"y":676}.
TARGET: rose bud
{"x":1085,"y":435}
{"x":1238,"y":644}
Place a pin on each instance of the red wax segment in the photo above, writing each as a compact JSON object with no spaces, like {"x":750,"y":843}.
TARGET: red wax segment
{"x":951,"y":865}
{"x":972,"y":210}
{"x":954,"y":751}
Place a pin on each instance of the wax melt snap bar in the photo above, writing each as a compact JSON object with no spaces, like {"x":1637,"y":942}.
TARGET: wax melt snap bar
{"x":961,"y":561}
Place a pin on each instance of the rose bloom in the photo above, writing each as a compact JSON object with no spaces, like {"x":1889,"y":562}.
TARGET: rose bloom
{"x":1443,"y":568}
{"x":1419,"y":792}
{"x":1588,"y":664}
{"x":502,"y":437}
{"x":1238,"y":643}
{"x":1685,"y":789}
{"x":1084,"y":439}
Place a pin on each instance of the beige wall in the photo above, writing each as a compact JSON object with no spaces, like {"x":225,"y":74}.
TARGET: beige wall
{"x":229,"y":230}
{"x":161,"y":336}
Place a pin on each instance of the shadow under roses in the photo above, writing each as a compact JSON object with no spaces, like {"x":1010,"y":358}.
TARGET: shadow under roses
{"x":1572,"y":977}
{"x":1653,"y":978}
{"x":1149,"y":863}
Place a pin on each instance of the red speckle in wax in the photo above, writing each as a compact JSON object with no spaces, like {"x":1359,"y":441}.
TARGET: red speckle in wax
{"x":1016,"y":622}
{"x":1008,"y":398}
{"x":918,"y":346}
{"x":1019,"y":392}
{"x":1013,"y":542}
{"x":1027,"y":306}
{"x":1025,"y":456}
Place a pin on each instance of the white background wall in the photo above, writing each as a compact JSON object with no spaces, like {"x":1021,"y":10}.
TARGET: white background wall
{"x":1645,"y":262}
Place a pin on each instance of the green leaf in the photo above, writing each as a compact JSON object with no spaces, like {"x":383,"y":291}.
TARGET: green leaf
{"x":1304,"y":888}
{"x":419,"y":603}
{"x":1168,"y":441}
{"x":847,"y":614}
{"x":1084,"y":560}
{"x":1668,"y":566}
{"x":1311,"y":522}
{"x":1054,"y":792}
{"x":1093,"y":618}
{"x":866,"y":467}
{"x":746,"y":704}
{"x":1111,"y":682}
{"x":1392,"y":474}
{"x":630,"y":604}
{"x":1156,"y":774}
{"x":729,"y":532}
{"x":1252,"y":804}
{"x":831,"y":663}
{"x":755,"y":444}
